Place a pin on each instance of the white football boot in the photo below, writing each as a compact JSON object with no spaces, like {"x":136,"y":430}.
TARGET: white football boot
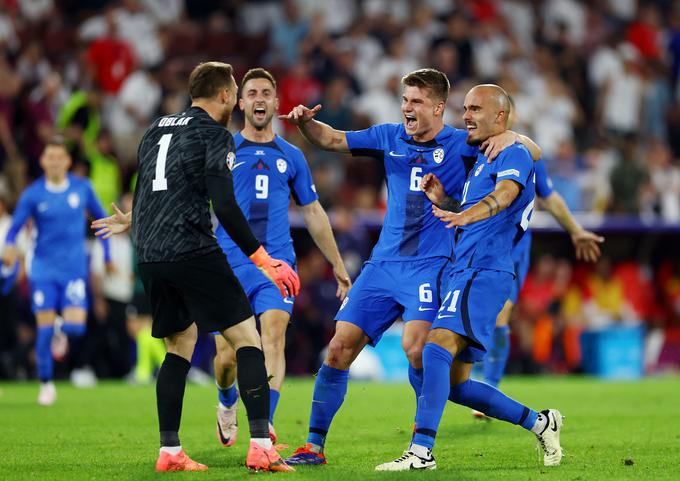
{"x":549,"y":438}
{"x":48,"y":394}
{"x":409,"y":461}
{"x":227,"y":424}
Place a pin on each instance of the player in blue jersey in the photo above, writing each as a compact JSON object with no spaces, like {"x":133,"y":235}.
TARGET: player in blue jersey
{"x":585,"y":244}
{"x":497,"y":203}
{"x":413,"y":244}
{"x":267,"y":171}
{"x":586,"y":247}
{"x":58,"y":203}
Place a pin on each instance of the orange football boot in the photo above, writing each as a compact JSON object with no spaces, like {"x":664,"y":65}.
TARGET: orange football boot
{"x":261,"y":459}
{"x":177,"y":462}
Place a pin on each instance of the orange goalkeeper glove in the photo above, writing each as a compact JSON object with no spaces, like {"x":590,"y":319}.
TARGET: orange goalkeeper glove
{"x":277,"y":271}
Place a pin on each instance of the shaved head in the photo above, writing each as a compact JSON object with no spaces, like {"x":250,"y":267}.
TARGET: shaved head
{"x":496,"y":94}
{"x":487,"y":110}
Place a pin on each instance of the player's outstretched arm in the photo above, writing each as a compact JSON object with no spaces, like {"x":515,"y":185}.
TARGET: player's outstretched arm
{"x":113,"y":224}
{"x":434,"y":190}
{"x":585,"y":242}
{"x":319,"y":228}
{"x":505,"y":193}
{"x":496,"y":144}
{"x":317,"y":133}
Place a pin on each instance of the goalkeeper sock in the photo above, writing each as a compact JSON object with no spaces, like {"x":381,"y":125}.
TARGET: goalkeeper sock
{"x":489,"y":400}
{"x":497,"y":357}
{"x":43,"y":353}
{"x":172,"y":379}
{"x":436,"y":368}
{"x":329,"y":393}
{"x":254,"y":388}
{"x":274,"y":396}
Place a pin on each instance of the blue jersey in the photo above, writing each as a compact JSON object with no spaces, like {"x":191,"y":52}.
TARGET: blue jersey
{"x":488,"y":244}
{"x":410,"y":231}
{"x":544,"y":187}
{"x":265,"y":176}
{"x":60,"y":218}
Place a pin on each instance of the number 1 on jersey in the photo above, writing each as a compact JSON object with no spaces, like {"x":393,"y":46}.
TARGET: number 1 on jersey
{"x":160,"y":182}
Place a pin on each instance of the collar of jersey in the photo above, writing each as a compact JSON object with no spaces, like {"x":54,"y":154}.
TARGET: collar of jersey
{"x":241,"y":141}
{"x":58,"y":188}
{"x":441,"y":137}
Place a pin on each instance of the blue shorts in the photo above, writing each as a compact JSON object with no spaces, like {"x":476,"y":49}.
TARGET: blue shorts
{"x":471,"y":302}
{"x":57,"y":295}
{"x":521,"y":256}
{"x":386,"y":290}
{"x":262,"y":293}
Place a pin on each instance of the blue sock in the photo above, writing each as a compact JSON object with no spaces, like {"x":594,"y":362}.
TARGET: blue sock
{"x":43,"y":353}
{"x":274,"y":396}
{"x":489,"y":400}
{"x":227,"y":396}
{"x":436,"y":381}
{"x":329,"y":393}
{"x":415,"y":377}
{"x":72,"y":329}
{"x":497,"y":357}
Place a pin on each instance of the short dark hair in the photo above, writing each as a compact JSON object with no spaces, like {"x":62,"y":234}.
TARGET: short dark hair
{"x":258,"y":72}
{"x":57,"y":140}
{"x":431,"y":79}
{"x":208,"y":78}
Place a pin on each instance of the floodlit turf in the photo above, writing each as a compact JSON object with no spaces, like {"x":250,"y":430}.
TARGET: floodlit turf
{"x":613,"y":431}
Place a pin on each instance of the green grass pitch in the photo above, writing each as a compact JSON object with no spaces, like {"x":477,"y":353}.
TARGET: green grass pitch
{"x":612,"y":431}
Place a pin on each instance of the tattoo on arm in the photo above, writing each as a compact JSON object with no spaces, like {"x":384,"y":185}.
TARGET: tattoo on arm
{"x":450,"y":205}
{"x":497,"y":206}
{"x":488,"y":206}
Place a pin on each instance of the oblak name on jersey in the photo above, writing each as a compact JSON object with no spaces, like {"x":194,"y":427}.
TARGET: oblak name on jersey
{"x":178,"y":155}
{"x":174,"y":121}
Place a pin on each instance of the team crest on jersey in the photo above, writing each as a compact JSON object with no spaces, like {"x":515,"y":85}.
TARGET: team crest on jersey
{"x":479,"y":169}
{"x":281,"y":165}
{"x":73,"y":200}
{"x":438,"y":155}
{"x":231,"y":157}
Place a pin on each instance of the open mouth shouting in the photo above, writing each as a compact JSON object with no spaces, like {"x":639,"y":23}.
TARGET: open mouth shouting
{"x":260,"y":113}
{"x":411,"y":122}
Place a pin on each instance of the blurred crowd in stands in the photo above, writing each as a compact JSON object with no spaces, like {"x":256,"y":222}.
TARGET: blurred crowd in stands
{"x":595,"y":84}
